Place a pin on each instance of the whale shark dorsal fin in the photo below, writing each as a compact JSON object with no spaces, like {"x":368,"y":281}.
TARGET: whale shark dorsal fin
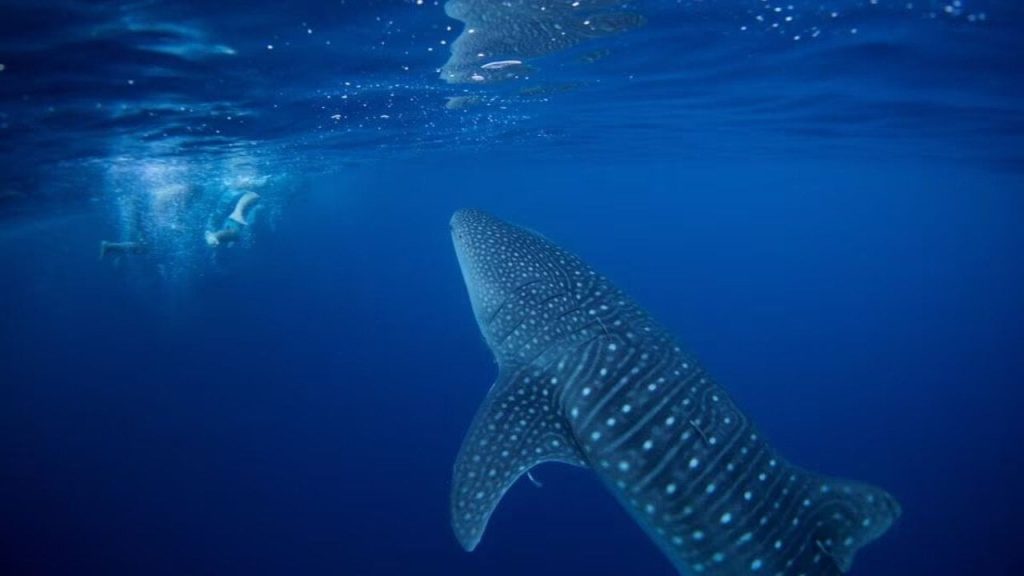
{"x":516,"y":428}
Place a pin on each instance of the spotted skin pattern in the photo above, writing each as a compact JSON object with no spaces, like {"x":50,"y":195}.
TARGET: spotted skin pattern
{"x":586,"y":377}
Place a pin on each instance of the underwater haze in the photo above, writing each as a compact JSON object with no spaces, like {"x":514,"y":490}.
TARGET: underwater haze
{"x":242,"y":332}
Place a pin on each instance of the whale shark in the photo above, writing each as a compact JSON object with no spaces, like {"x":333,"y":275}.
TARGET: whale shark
{"x":586,"y":377}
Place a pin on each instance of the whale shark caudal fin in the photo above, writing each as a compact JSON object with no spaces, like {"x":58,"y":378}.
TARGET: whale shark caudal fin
{"x":811,"y":525}
{"x":516,"y":428}
{"x":850,"y":515}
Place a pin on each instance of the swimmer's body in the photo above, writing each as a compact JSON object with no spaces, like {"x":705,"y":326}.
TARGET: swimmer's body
{"x":229,"y":232}
{"x":234,"y":223}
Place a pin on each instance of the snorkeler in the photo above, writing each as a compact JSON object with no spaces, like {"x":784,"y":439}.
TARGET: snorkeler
{"x":233,"y":224}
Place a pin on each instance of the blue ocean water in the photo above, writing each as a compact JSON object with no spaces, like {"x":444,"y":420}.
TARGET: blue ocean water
{"x":823,"y":201}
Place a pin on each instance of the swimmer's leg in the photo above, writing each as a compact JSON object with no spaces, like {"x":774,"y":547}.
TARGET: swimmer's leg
{"x":118,"y":248}
{"x":229,"y":233}
{"x":242,"y":208}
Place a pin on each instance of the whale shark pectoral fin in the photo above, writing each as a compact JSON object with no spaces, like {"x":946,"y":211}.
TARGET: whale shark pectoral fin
{"x":515,"y":429}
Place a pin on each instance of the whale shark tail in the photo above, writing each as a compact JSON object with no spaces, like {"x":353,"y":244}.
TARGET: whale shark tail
{"x":848,"y":516}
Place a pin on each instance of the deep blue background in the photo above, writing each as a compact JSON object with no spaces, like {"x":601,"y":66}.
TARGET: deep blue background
{"x":297,"y":405}
{"x":834,"y":224}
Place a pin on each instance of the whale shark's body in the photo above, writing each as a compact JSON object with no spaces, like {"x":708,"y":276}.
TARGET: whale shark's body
{"x":587,"y":378}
